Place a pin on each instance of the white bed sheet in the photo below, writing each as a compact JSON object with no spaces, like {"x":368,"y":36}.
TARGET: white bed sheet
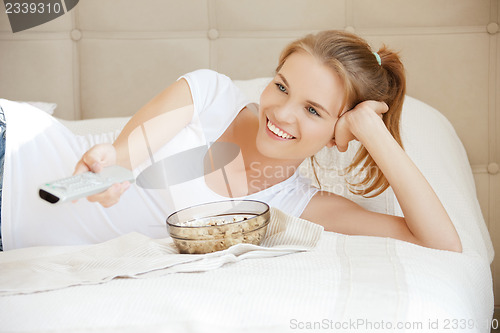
{"x":347,"y":283}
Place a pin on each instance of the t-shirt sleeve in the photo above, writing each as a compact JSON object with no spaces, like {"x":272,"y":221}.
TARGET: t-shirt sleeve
{"x":217,"y":100}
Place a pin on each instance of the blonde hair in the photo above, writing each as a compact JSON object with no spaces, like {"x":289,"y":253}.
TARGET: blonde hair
{"x":364,"y":78}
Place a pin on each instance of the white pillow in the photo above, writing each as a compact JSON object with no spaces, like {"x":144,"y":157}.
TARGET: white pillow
{"x":96,"y":125}
{"x":432,"y":143}
{"x":44,"y":106}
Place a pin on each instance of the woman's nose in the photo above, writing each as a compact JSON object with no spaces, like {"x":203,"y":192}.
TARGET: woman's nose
{"x":285,"y":113}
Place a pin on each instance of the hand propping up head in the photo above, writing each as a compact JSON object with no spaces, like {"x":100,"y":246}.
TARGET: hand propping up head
{"x":358,"y":123}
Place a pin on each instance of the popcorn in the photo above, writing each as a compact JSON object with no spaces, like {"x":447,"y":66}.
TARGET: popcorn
{"x":216,"y":226}
{"x":205,"y":235}
{"x":213,"y":221}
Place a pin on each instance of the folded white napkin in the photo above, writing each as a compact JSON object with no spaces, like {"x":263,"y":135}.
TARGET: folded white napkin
{"x":136,"y":256}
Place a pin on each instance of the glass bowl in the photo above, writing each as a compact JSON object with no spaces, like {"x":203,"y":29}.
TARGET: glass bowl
{"x":218,"y":225}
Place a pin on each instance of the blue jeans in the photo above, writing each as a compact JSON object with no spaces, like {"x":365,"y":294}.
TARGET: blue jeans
{"x":2,"y":157}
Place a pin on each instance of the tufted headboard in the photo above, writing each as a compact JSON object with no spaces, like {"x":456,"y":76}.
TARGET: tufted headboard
{"x":109,"y":57}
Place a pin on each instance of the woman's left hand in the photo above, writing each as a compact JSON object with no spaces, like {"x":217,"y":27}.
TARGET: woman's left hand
{"x":357,"y":123}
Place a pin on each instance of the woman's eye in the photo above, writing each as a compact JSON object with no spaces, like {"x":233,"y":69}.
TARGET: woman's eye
{"x":281,"y":87}
{"x":312,"y":111}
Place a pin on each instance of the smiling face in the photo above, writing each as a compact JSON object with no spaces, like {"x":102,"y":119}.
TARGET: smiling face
{"x":299,"y":109}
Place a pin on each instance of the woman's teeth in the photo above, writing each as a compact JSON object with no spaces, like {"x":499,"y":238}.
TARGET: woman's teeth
{"x":277,"y":131}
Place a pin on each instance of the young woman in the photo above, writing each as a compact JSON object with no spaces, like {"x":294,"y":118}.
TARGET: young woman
{"x":329,"y":89}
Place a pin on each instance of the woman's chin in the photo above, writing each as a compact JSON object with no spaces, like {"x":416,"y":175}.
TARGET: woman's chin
{"x":267,"y":148}
{"x":270,"y":149}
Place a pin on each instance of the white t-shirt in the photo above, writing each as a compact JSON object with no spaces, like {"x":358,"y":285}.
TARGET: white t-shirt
{"x":40,"y":149}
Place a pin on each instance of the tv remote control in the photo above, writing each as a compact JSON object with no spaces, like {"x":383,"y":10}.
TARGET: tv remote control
{"x":84,"y":184}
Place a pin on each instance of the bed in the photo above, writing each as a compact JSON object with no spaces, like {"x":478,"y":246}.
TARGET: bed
{"x":340,"y":282}
{"x":109,"y":62}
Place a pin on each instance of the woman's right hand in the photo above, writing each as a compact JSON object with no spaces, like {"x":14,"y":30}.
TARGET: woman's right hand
{"x":96,"y":158}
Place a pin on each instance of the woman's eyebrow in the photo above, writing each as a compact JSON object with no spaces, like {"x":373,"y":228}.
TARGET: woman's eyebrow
{"x":316,"y":105}
{"x":284,"y":80}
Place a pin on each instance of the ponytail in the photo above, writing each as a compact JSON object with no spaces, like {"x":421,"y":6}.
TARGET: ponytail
{"x":373,"y":182}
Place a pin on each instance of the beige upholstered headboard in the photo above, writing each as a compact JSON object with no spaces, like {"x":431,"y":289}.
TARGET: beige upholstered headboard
{"x":108,"y":57}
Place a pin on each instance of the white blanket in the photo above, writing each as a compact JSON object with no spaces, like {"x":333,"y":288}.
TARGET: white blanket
{"x":135,"y":255}
{"x":351,"y":282}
